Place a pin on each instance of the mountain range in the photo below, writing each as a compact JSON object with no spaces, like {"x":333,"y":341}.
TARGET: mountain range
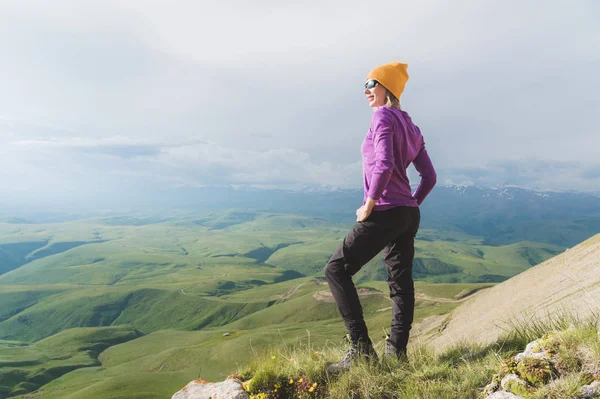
{"x":501,"y":215}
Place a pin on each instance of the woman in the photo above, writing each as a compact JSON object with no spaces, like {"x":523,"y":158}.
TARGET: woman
{"x":389,"y":218}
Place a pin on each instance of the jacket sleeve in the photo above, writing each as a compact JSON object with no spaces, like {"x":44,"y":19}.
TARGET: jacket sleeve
{"x":427,"y":173}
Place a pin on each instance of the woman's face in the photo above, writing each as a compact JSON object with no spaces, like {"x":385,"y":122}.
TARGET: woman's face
{"x":375,"y":95}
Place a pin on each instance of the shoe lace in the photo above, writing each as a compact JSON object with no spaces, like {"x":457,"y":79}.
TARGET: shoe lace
{"x":389,"y":347}
{"x":350,"y":354}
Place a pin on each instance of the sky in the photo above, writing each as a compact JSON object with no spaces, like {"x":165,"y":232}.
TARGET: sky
{"x":101,"y":97}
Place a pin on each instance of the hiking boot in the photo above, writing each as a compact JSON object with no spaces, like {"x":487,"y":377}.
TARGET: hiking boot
{"x":391,"y":352}
{"x":357,"y":350}
{"x":390,"y":349}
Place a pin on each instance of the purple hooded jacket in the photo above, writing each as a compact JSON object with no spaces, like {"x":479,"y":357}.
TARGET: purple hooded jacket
{"x":391,"y":145}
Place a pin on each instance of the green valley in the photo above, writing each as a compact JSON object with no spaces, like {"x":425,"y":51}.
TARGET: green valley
{"x":109,"y":307}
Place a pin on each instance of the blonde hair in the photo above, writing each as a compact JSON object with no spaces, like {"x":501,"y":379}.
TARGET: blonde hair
{"x":391,"y":100}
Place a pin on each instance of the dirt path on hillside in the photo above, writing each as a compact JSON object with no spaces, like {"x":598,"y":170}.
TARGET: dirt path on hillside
{"x":326,"y":296}
{"x":169,"y":359}
{"x":426,"y":297}
{"x":290,"y":292}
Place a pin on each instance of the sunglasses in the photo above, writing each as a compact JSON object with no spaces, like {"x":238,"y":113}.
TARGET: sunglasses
{"x":371,"y":83}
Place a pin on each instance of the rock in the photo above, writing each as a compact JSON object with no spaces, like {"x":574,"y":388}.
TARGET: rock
{"x":226,"y":334}
{"x":591,"y":391}
{"x":529,"y":352}
{"x":513,"y":384}
{"x":503,"y":395}
{"x":200,"y":389}
{"x":533,"y":355}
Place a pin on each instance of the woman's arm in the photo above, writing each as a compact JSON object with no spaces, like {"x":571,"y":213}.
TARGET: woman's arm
{"x":427,"y":173}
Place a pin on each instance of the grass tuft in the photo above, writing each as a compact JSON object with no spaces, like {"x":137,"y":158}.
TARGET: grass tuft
{"x":460,"y":371}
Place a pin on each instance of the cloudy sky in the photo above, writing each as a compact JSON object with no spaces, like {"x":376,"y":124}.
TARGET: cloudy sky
{"x":98,"y":97}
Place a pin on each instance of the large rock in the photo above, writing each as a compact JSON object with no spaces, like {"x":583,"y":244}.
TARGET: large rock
{"x":200,"y":389}
{"x":503,"y":395}
{"x":531,"y":352}
{"x":591,"y":391}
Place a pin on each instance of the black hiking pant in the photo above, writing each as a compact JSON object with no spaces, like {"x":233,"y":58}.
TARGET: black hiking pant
{"x":394,"y":232}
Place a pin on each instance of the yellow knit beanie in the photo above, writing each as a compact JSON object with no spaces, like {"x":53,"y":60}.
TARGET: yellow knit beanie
{"x":392,"y":76}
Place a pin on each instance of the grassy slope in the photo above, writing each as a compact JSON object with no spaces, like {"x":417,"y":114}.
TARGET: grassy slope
{"x":200,"y":273}
{"x":105,"y":283}
{"x":458,"y":372}
{"x":475,"y":262}
{"x":171,"y":252}
{"x":158,"y":364}
{"x":13,"y":255}
{"x":145,"y":309}
{"x":24,"y":368}
{"x":163,"y":361}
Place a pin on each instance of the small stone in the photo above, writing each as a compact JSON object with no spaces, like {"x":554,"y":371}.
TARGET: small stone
{"x":504,"y":395}
{"x":200,"y":389}
{"x":591,"y":391}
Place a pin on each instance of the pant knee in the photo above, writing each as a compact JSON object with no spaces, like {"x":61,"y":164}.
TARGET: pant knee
{"x":332,"y":270}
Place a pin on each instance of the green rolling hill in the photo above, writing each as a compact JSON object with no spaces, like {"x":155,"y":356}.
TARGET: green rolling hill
{"x":25,"y":368}
{"x":171,"y":287}
{"x":162,"y":361}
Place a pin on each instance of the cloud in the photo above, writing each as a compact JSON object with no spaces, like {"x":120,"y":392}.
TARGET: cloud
{"x":270,"y":93}
{"x":194,"y":163}
{"x":118,"y":146}
{"x":542,"y":175}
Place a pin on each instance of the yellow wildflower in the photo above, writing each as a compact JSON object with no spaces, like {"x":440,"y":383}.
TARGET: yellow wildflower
{"x":292,"y":360}
{"x":314,"y":385}
{"x":272,"y":357}
{"x":311,"y":389}
{"x":300,"y":380}
{"x":291,"y":380}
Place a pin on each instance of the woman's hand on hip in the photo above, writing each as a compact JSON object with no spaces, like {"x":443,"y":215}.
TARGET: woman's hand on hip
{"x":364,"y":211}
